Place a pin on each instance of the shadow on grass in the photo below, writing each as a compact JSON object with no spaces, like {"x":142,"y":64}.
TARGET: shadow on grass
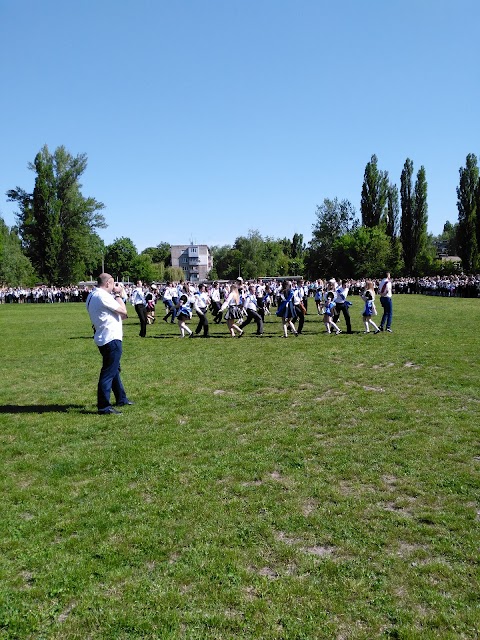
{"x":40,"y":408}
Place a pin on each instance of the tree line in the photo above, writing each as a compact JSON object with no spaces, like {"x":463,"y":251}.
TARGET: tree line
{"x":56,"y":240}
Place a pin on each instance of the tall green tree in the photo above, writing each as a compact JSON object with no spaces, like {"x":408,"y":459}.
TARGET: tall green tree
{"x":374,"y":194}
{"x":334,"y":219}
{"x":421,"y":246}
{"x":56,"y":222}
{"x":468,"y":203}
{"x":406,"y":224}
{"x":393,"y":211}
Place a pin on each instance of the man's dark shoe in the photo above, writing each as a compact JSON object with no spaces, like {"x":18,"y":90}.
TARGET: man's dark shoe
{"x":108,"y":411}
{"x":126,"y":403}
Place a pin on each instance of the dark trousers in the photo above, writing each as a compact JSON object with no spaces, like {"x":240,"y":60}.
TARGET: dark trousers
{"x":256,"y":317}
{"x":202,"y":323}
{"x":301,"y":318}
{"x":142,"y":315}
{"x":110,"y":375}
{"x":217,"y":315}
{"x":261,"y":308}
{"x":386,"y":303}
{"x":343,"y":308}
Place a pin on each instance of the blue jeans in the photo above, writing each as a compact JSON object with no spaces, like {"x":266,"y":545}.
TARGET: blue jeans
{"x":386,"y":303}
{"x":110,"y":375}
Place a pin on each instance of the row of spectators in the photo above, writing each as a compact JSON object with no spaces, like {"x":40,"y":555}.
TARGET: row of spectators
{"x":43,"y":294}
{"x":461,"y":286}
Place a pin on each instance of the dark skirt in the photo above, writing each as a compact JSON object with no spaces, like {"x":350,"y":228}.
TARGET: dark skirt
{"x":233,"y":313}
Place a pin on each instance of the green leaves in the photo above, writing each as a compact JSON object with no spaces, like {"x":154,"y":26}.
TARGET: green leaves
{"x":56,"y":222}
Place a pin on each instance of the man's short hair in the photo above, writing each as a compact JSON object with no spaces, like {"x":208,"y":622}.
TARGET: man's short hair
{"x":103,"y":278}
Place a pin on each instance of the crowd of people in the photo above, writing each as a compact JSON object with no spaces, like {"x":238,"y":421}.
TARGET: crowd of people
{"x":461,"y":286}
{"x":241,"y":303}
{"x":43,"y":294}
{"x":238,"y":303}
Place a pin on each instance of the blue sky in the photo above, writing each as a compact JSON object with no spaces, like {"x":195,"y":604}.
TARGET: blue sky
{"x":204,"y":119}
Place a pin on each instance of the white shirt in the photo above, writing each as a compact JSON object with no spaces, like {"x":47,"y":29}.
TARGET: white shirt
{"x":138,"y":296}
{"x":103,"y":311}
{"x":341,"y":294}
{"x":215,"y":294}
{"x":387,"y":293}
{"x":201,"y":302}
{"x":298,"y":295}
{"x":250,"y":301}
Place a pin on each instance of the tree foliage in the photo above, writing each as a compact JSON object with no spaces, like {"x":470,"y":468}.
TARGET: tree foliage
{"x":15,"y":268}
{"x":374,"y":194}
{"x":121,"y":259}
{"x":406,"y":225}
{"x":160,"y":253}
{"x":335,"y":218}
{"x":421,"y":246}
{"x":253,"y":256}
{"x":364,"y":252}
{"x":468,"y":204}
{"x":56,"y":222}
{"x":393,"y":212}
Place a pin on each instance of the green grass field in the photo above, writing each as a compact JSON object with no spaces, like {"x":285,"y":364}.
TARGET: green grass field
{"x":315,"y":487}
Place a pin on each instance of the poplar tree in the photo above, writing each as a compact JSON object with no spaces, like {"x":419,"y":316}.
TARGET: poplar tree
{"x":406,"y":223}
{"x":420,"y":219}
{"x":468,"y":204}
{"x":374,"y":194}
{"x":393,"y":209}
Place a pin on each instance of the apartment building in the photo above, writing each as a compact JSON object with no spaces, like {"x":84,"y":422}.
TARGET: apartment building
{"x":194,"y":259}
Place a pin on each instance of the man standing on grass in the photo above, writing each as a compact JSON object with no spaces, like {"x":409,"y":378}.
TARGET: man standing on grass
{"x":249,"y":303}
{"x":138,"y":301}
{"x":200,"y":305}
{"x":106,"y":309}
{"x":342,"y":304}
{"x":385,"y":291}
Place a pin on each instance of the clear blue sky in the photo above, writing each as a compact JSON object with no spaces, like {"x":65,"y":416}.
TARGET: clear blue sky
{"x":203,"y":119}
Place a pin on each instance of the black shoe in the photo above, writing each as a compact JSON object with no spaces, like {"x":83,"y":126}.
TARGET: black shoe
{"x":389,"y":330}
{"x":108,"y":411}
{"x":126,"y":403}
{"x":381,"y":328}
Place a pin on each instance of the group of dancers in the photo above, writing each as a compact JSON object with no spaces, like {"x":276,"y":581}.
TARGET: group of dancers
{"x":240,"y":303}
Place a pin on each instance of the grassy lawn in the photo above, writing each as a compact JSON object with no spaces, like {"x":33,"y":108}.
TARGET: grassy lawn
{"x":318,"y":487}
